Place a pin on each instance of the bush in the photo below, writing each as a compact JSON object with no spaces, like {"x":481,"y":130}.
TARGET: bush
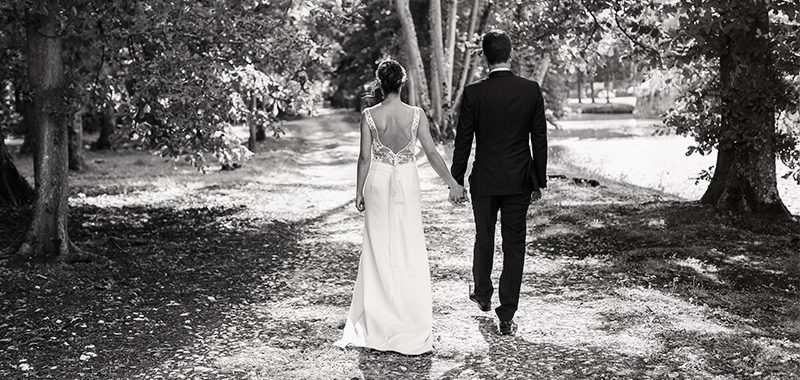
{"x":606,"y":108}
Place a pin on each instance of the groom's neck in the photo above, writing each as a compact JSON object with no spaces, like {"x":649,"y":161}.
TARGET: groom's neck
{"x":501,"y":65}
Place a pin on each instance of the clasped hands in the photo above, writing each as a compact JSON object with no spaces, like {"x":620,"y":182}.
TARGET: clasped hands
{"x":458,"y":195}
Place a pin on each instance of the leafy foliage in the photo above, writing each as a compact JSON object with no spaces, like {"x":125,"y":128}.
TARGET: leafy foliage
{"x":371,"y":35}
{"x":169,"y":69}
{"x":687,"y":39}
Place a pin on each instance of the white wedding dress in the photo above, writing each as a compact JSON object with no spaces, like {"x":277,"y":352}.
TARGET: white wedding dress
{"x":391,"y":307}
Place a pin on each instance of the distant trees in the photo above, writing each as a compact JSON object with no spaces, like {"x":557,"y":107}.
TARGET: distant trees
{"x":436,"y":43}
{"x":440,"y":39}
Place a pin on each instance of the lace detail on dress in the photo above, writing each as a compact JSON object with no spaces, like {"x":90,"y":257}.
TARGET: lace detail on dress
{"x":383,"y":153}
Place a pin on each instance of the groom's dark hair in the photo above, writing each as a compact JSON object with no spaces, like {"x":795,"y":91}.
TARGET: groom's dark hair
{"x":496,"y":46}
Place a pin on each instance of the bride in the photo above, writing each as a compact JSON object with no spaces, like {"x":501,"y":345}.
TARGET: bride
{"x":391,"y":306}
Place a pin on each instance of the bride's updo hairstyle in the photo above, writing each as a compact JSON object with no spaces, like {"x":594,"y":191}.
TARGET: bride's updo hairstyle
{"x":391,"y":76}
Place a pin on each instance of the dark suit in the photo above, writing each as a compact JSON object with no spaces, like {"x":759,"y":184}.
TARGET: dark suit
{"x":503,"y":112}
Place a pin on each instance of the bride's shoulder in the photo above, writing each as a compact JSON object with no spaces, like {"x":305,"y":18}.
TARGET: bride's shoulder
{"x":416,"y":109}
{"x":369,"y":109}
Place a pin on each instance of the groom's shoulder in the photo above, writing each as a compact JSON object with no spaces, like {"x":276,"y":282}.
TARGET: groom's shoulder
{"x":529,"y":82}
{"x":515,"y":79}
{"x":476,"y":83}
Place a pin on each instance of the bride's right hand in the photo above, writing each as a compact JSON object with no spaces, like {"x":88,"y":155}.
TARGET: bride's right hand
{"x":360,"y":203}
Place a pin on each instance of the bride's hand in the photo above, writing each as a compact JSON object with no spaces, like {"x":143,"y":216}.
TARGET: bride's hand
{"x":360,"y":203}
{"x":458,"y":194}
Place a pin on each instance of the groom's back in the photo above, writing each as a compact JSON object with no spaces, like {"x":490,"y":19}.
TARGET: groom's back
{"x":505,"y":109}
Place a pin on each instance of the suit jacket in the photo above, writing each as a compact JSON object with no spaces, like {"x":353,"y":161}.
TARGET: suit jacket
{"x":503,"y":112}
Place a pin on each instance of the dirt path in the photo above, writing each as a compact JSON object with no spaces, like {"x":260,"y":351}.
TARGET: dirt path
{"x":619,"y":281}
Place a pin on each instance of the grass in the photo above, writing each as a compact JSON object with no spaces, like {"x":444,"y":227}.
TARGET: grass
{"x":248,"y":274}
{"x":603,"y":108}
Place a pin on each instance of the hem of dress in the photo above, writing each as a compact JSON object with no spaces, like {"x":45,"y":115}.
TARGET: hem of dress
{"x":343,"y":345}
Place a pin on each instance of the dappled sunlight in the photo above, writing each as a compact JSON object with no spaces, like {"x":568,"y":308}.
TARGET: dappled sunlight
{"x":705,"y":269}
{"x":258,"y":360}
{"x":656,"y":223}
{"x":160,"y":193}
{"x":673,"y":312}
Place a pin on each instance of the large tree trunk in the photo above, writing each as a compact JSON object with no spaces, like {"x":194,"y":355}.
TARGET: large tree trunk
{"x":411,"y":46}
{"x":107,"y":126}
{"x":437,"y":61}
{"x":76,"y":162}
{"x":580,"y":80}
{"x":718,"y":181}
{"x":47,"y":238}
{"x":745,"y":169}
{"x":14,"y":189}
{"x":450,"y":52}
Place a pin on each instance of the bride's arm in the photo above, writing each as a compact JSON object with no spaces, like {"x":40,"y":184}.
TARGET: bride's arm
{"x":364,"y":158}
{"x":435,"y":159}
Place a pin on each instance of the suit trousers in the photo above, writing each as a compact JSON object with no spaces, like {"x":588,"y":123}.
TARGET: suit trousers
{"x":513,"y":211}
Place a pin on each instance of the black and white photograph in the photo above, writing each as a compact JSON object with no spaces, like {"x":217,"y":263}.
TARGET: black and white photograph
{"x":399,"y":189}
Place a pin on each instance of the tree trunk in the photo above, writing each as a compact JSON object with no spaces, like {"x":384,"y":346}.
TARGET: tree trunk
{"x":450,"y":52}
{"x":47,"y":238}
{"x":108,"y":124}
{"x":14,"y":189}
{"x":745,"y":169}
{"x":591,"y":88}
{"x":541,"y":69}
{"x":251,"y":123}
{"x":466,"y":67}
{"x":261,"y":132}
{"x":412,"y":91}
{"x":580,"y":80}
{"x":476,"y":26}
{"x":416,"y":67}
{"x":718,"y":181}
{"x":437,"y":61}
{"x":261,"y":129}
{"x":76,"y":162}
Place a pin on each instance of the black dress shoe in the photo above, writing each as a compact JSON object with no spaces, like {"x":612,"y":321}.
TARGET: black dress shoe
{"x":484,"y":306}
{"x":507,"y":327}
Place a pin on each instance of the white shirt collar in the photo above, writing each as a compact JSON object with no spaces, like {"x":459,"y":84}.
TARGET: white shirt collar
{"x":499,"y":69}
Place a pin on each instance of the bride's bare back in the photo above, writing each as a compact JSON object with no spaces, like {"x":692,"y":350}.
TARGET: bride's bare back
{"x":393,"y":123}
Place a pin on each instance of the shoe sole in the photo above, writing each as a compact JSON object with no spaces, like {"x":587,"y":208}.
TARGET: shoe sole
{"x":479,"y":305}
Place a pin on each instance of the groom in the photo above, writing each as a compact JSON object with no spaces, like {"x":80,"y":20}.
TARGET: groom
{"x":502,"y":112}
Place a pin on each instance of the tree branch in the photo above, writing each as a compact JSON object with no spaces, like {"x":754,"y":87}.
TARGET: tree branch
{"x":655,"y":52}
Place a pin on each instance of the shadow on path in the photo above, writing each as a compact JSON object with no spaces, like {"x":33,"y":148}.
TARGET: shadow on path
{"x":513,"y":357}
{"x":377,"y":365}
